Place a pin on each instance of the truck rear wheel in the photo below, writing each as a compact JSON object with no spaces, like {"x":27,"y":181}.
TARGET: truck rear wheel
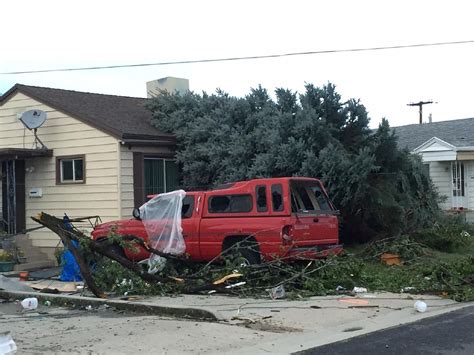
{"x":242,"y":250}
{"x":246,"y":257}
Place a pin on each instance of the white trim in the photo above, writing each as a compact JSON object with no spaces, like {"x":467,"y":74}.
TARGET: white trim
{"x":430,"y":142}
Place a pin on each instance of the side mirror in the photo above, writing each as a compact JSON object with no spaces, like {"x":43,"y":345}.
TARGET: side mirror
{"x":136,"y":213}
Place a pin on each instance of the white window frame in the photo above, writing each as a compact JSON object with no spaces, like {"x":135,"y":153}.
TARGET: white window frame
{"x":62,"y":160}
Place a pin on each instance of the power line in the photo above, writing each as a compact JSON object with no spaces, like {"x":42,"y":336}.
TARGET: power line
{"x":367,"y":49}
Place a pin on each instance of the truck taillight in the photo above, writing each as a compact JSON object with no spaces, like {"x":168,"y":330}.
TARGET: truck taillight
{"x":287,"y":235}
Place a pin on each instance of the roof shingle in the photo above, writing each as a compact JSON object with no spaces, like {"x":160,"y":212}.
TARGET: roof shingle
{"x":120,"y":116}
{"x":459,"y":133}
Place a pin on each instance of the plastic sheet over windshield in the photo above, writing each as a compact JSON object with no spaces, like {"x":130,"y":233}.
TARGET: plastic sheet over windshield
{"x":161,"y":217}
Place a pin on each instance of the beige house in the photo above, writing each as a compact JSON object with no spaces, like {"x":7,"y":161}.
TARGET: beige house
{"x":94,"y":155}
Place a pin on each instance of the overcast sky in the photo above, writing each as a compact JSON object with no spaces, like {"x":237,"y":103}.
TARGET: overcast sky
{"x":51,"y":34}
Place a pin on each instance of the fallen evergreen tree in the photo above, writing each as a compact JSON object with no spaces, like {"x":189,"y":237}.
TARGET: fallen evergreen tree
{"x":380,"y":189}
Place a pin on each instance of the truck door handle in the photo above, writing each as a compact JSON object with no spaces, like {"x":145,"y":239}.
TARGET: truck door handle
{"x":315,"y":220}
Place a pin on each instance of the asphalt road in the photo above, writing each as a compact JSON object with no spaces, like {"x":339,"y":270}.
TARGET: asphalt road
{"x":450,"y":333}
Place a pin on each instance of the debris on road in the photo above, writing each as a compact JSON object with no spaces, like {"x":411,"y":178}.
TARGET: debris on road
{"x":7,"y":345}
{"x":420,"y":306}
{"x":29,"y":304}
{"x":359,"y":290}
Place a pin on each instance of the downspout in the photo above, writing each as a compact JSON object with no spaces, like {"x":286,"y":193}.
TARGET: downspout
{"x":119,"y":179}
{"x":453,"y":187}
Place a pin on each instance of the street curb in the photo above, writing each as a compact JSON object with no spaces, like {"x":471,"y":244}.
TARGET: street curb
{"x":141,"y":307}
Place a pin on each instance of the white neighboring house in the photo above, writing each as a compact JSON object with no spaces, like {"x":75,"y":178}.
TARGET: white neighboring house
{"x":447,"y":148}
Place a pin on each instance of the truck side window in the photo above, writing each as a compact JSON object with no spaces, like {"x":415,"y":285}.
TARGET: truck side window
{"x":261,"y":193}
{"x":230,"y":204}
{"x":188,"y":206}
{"x":277,"y":198}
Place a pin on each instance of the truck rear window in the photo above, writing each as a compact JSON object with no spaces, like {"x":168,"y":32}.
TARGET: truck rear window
{"x":230,"y":204}
{"x":307,"y":197}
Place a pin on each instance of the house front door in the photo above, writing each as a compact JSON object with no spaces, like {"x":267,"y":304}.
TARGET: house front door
{"x":458,"y":172}
{"x":13,"y":196}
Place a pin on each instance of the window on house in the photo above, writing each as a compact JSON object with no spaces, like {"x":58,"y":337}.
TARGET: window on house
{"x":458,"y":179}
{"x":161,"y":175}
{"x":426,"y":169}
{"x":70,"y":170}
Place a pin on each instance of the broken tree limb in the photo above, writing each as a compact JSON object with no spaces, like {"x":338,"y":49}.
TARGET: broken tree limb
{"x":137,"y":269}
{"x":67,"y":236}
{"x":56,"y":225}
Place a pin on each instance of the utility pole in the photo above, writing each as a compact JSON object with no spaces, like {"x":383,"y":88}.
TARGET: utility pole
{"x":420,"y":105}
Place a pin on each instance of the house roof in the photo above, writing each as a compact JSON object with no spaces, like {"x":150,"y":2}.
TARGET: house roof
{"x":459,"y":133}
{"x":125,"y":118}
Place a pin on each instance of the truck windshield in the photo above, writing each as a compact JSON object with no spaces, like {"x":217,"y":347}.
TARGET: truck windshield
{"x":309,"y":197}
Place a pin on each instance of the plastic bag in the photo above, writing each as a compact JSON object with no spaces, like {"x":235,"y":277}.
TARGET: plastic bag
{"x":161,"y":217}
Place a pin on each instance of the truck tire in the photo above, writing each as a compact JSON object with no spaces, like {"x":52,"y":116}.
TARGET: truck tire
{"x":246,"y":257}
{"x":114,"y":247}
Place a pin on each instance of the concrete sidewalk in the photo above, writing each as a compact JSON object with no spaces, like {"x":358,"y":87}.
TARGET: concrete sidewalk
{"x":305,"y":323}
{"x":317,"y":320}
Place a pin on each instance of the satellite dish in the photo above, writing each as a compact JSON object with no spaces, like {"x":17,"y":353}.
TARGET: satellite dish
{"x":33,"y":119}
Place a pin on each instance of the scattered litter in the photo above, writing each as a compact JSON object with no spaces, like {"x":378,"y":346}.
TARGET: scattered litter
{"x":354,"y":301}
{"x":340,"y":288}
{"x":390,"y":259}
{"x":211,"y":292}
{"x":7,"y":345}
{"x":47,"y":303}
{"x":59,"y":286}
{"x":89,"y":308}
{"x":427,"y":278}
{"x":420,"y":306}
{"x":227,"y":277}
{"x":236,"y":285}
{"x":277,"y":292}
{"x":359,"y":290}
{"x":53,"y":291}
{"x":407,"y":289}
{"x":353,"y":329}
{"x":30,"y":303}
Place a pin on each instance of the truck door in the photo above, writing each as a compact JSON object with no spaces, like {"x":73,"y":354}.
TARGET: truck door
{"x":315,"y":221}
{"x":190,"y":219}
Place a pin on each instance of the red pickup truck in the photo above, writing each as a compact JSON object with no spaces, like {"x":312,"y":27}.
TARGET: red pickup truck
{"x":288,"y":218}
